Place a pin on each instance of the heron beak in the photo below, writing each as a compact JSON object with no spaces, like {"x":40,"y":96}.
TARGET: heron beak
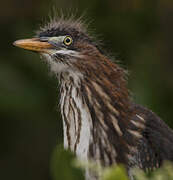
{"x":33,"y":44}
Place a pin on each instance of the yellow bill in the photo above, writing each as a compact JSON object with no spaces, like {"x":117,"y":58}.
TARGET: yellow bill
{"x":33,"y":44}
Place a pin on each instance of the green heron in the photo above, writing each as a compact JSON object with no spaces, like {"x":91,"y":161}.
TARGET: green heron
{"x":101,"y":123}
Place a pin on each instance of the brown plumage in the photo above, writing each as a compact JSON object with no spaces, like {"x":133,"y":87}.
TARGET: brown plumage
{"x":101,"y":123}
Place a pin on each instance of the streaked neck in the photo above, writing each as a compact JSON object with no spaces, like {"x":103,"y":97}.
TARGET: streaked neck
{"x":96,"y":119}
{"x":77,"y":121}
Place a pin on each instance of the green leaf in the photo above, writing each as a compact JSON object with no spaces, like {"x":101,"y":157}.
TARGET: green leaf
{"x":115,"y":173}
{"x":163,"y":173}
{"x":62,"y":166}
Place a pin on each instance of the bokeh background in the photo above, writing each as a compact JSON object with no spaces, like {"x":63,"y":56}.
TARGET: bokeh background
{"x":137,"y":32}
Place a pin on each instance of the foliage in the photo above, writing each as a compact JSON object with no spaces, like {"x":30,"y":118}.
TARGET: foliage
{"x":164,"y":173}
{"x":62,"y":166}
{"x":65,"y":166}
{"x":115,"y":173}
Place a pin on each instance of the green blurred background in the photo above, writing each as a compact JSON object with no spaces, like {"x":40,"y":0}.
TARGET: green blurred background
{"x":138,"y":32}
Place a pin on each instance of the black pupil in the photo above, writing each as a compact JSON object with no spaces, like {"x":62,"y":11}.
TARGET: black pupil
{"x":67,"y":40}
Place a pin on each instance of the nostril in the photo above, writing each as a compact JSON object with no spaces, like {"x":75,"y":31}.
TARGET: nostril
{"x":44,"y":39}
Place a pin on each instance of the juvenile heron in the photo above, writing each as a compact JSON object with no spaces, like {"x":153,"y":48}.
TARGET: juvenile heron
{"x":100,"y":121}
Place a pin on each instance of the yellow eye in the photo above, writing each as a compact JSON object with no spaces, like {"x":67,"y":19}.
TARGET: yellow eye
{"x":68,"y":40}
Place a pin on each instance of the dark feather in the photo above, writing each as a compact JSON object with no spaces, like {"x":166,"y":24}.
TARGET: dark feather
{"x":157,"y":141}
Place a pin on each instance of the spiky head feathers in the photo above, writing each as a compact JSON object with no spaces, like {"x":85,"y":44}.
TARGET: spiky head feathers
{"x":76,"y":29}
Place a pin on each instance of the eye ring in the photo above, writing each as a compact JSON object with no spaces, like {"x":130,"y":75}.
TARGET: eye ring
{"x":68,"y":40}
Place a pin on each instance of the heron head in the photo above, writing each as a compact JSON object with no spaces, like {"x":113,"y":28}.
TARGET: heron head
{"x":63,"y":43}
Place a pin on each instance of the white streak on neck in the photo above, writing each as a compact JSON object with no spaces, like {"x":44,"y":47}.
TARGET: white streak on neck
{"x":67,"y":52}
{"x":82,"y":147}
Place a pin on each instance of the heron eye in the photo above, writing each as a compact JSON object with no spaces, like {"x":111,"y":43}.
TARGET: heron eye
{"x":68,"y":40}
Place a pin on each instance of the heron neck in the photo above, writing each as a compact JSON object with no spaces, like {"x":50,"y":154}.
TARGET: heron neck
{"x":95,"y":121}
{"x":77,"y":123}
